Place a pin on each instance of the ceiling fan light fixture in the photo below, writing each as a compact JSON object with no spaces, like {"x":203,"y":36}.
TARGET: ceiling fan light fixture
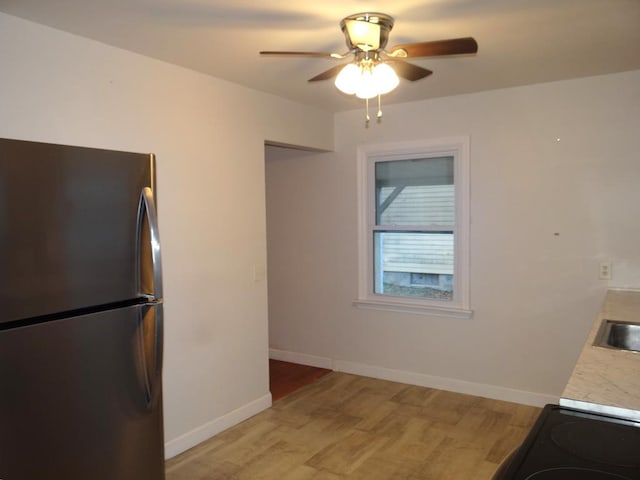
{"x":366,"y":80}
{"x":374,"y":70}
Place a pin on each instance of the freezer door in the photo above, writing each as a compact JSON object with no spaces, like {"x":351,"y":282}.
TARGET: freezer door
{"x":81,"y":398}
{"x":70,"y":227}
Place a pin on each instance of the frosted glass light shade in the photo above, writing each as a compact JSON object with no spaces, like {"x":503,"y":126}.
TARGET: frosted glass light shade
{"x":348,"y":79}
{"x":367,"y":87}
{"x":385,"y":78}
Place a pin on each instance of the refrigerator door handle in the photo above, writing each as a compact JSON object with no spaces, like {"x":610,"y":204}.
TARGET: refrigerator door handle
{"x":150,"y":337}
{"x":148,"y":250}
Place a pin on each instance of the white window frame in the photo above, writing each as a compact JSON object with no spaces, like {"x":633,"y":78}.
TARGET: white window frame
{"x":368,"y":155}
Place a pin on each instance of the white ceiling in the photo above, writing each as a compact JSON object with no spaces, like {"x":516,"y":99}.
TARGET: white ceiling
{"x":520,"y":41}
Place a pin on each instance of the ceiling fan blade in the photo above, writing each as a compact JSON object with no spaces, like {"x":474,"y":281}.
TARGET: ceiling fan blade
{"x":408,"y":70}
{"x":454,"y":46}
{"x":298,"y":54}
{"x":327,"y":74}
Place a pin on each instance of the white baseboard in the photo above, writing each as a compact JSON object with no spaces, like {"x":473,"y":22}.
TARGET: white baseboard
{"x":449,"y":384}
{"x":419,"y":379}
{"x":204,"y":432}
{"x":301,"y":358}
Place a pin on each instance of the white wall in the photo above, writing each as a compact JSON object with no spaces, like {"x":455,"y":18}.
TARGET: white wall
{"x":208,"y":136}
{"x":553,"y":158}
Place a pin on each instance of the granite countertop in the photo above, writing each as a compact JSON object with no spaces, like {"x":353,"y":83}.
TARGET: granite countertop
{"x":606,"y":380}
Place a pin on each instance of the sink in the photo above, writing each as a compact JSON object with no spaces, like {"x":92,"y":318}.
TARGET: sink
{"x":619,"y":335}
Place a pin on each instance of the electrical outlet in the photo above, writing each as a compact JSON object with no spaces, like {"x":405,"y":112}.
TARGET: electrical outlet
{"x":605,"y":271}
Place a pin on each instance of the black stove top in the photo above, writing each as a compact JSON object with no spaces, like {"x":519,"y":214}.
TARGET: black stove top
{"x":567,"y":444}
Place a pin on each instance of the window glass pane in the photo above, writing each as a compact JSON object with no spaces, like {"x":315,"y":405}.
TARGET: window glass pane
{"x":414,"y":264}
{"x":415,"y":192}
{"x":417,"y":205}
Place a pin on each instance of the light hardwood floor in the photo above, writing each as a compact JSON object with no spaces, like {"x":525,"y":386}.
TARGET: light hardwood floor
{"x":349,"y":427}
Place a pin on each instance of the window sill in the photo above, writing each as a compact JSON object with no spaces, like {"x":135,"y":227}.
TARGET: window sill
{"x":402,"y":307}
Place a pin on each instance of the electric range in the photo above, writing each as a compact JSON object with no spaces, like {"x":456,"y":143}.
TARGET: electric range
{"x":567,"y":444}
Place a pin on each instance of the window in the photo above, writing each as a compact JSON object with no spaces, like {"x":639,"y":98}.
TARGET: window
{"x":413,"y":236}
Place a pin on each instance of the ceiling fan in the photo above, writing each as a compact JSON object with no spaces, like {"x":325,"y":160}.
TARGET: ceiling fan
{"x":374,"y":70}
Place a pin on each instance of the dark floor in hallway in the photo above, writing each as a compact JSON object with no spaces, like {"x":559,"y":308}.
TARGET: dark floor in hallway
{"x":286,"y":377}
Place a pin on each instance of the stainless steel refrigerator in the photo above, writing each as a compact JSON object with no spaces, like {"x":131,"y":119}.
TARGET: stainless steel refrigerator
{"x":81,"y":319}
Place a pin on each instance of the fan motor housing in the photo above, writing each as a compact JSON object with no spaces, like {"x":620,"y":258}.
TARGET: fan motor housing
{"x":367,"y":31}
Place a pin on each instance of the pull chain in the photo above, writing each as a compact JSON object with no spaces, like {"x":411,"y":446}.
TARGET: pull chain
{"x":367,"y":118}
{"x":378,"y":113}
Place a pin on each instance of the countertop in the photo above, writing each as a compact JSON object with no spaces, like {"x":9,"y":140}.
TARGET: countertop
{"x":605,"y":380}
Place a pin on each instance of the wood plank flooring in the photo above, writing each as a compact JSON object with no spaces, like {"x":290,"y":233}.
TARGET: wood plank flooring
{"x":350,"y":427}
